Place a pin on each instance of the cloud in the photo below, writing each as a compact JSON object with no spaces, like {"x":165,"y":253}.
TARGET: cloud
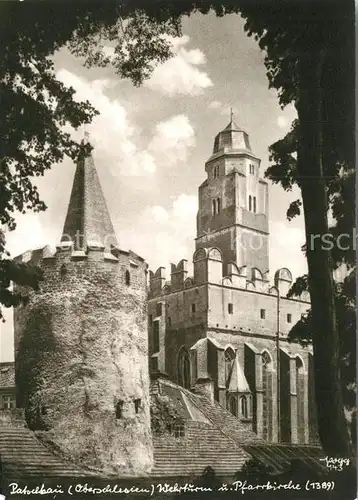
{"x":171,"y":231}
{"x":172,"y":139}
{"x":215,"y":105}
{"x":111,"y":127}
{"x":285,"y":251}
{"x":179,"y":75}
{"x":29,"y":234}
{"x":282,"y":122}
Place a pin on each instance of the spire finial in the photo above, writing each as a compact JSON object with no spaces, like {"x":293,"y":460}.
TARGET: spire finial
{"x":231,"y":114}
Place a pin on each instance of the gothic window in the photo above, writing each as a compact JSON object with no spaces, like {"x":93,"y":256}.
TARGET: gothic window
{"x":216,"y":172}
{"x":218,"y":205}
{"x":267,"y":394}
{"x":230,"y":308}
{"x":193,"y":308}
{"x":229,"y":363}
{"x":243,"y":407}
{"x":214,"y":207}
{"x":254,"y":199}
{"x":184,"y":368}
{"x":262,"y":313}
{"x":252,"y":168}
{"x":250,"y":202}
{"x":233,"y":405}
{"x":127,"y":278}
{"x":155,"y":336}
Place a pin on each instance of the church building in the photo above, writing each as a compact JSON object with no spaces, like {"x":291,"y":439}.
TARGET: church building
{"x":225,"y":327}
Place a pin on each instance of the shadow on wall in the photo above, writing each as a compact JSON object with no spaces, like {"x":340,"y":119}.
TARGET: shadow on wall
{"x":34,"y":352}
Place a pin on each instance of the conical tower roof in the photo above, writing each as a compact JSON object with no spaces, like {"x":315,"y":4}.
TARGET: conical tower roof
{"x":88,"y":222}
{"x":231,"y":138}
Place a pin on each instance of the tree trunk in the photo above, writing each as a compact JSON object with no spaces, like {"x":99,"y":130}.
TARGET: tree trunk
{"x":332,"y":424}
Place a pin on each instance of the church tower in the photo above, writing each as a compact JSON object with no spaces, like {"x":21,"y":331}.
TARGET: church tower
{"x":233,"y":203}
{"x":81,"y":346}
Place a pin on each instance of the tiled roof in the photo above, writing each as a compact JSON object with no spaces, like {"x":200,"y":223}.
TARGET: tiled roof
{"x":23,"y":455}
{"x":279,"y":456}
{"x":7,"y":375}
{"x":212,"y":437}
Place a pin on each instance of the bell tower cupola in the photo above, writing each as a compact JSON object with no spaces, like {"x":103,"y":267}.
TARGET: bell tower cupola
{"x":233,"y":203}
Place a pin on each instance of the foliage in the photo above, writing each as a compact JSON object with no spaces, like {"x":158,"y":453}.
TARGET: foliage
{"x":302,"y":331}
{"x":163,"y":413}
{"x":29,"y":88}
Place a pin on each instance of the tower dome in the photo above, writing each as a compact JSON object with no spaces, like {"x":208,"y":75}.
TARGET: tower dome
{"x":231,"y":138}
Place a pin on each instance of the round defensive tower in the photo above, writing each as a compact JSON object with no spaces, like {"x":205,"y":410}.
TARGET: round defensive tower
{"x":81,"y":345}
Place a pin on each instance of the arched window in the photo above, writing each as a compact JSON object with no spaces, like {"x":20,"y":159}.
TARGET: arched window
{"x":233,"y":405}
{"x":243,"y":407}
{"x":214,"y":207}
{"x":229,"y":362}
{"x":184,"y":368}
{"x":127,"y":278}
{"x":218,"y":205}
{"x":255,"y":204}
{"x":250,"y":202}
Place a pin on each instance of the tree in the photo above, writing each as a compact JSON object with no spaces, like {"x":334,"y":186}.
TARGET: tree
{"x":303,"y":42}
{"x":35,"y":105}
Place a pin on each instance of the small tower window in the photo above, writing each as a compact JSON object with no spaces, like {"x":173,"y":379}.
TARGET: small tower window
{"x":169,"y":321}
{"x":262,"y":313}
{"x":214,"y":207}
{"x":159,"y":309}
{"x":137,"y":405}
{"x":127,"y":277}
{"x":216,"y":172}
{"x":119,"y":410}
{"x":289,"y":318}
{"x":230,"y":308}
{"x":250,"y":203}
{"x":193,"y":308}
{"x":243,"y":407}
{"x":252,"y":168}
{"x":254,"y":199}
{"x":63,"y":271}
{"x":218,"y":205}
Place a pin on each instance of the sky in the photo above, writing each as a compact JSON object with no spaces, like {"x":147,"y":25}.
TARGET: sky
{"x":151,"y":144}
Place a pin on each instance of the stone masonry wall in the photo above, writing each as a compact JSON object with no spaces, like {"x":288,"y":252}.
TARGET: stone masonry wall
{"x":81,"y":361}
